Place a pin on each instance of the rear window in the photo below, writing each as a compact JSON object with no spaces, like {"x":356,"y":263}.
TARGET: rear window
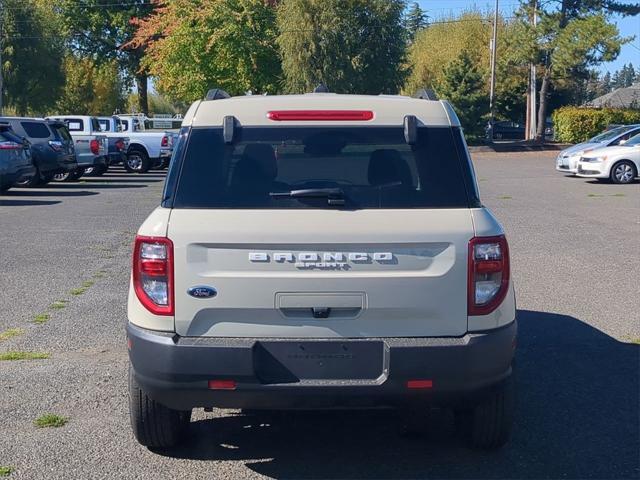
{"x":36,"y":129}
{"x":104,"y":125}
{"x":95,"y":125}
{"x":75,"y":124}
{"x":61,"y":132}
{"x":361,"y":167}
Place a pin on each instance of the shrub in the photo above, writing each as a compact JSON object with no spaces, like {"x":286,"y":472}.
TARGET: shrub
{"x":574,"y":124}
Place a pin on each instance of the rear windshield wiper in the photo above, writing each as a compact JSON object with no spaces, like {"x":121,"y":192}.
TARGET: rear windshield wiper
{"x":334,"y":196}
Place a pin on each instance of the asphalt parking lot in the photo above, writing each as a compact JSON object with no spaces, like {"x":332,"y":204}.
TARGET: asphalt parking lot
{"x":64,"y":268}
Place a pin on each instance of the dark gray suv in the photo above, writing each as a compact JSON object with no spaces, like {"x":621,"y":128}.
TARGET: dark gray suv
{"x":51,"y":147}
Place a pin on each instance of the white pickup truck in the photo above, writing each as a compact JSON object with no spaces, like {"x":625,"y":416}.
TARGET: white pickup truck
{"x":91,"y":145}
{"x":147,"y":149}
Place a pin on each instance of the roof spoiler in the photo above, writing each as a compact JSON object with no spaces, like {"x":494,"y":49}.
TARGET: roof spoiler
{"x":216,"y":94}
{"x":4,"y":126}
{"x":426,"y":94}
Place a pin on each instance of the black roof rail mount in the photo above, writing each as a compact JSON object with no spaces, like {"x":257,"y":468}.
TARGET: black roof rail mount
{"x":426,"y":94}
{"x":216,"y":94}
{"x":321,"y":88}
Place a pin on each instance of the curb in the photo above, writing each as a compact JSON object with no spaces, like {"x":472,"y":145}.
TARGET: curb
{"x":518,"y":147}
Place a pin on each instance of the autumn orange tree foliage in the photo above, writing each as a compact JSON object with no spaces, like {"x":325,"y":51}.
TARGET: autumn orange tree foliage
{"x":192,"y":46}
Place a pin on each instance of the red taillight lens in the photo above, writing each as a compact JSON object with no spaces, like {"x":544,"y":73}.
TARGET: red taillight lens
{"x":10,"y":146}
{"x":153,"y":274}
{"x":120,"y":145}
{"x":222,"y":384}
{"x":319,"y":115}
{"x":165,"y":141}
{"x":94,"y":145}
{"x":488,"y":274}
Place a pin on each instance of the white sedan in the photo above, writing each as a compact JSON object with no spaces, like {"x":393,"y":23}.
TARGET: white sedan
{"x":619,"y":164}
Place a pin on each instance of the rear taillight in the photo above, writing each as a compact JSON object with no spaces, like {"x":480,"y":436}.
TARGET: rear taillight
{"x":9,"y":145}
{"x":153,"y":274}
{"x":488,"y":274}
{"x":56,"y":145}
{"x":120,"y":145}
{"x":94,"y":145}
{"x":165,"y":141}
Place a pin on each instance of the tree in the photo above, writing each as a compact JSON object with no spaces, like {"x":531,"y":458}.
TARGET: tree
{"x":571,"y":36}
{"x":352,"y":46}
{"x":90,"y":88}
{"x":103,"y":30}
{"x":415,"y":20}
{"x":462,"y":84}
{"x":435,"y":47}
{"x":229,"y":44}
{"x":31,"y":56}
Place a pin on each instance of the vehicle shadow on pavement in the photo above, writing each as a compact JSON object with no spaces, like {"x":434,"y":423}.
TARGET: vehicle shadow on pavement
{"x":49,"y":193}
{"x":26,"y":203}
{"x":577,"y":417}
{"x":92,"y":185}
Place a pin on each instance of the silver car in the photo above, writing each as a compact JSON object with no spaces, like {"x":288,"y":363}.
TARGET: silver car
{"x":567,"y":160}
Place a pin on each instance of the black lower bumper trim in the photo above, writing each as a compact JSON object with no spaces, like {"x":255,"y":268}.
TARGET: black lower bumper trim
{"x":175,"y":370}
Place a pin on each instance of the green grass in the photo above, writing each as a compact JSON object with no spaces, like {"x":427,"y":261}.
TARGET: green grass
{"x":505,"y":197}
{"x":595,"y":195}
{"x":634,"y":340}
{"x":59,"y":304}
{"x":10,"y":333}
{"x":78,"y":291}
{"x":88,"y":284}
{"x":618,"y":195}
{"x":50,"y":420}
{"x":41,"y":318}
{"x":100,"y":274}
{"x":5,"y":471}
{"x":19,"y":355}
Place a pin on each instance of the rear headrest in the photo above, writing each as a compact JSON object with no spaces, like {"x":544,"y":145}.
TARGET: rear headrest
{"x":387,"y":166}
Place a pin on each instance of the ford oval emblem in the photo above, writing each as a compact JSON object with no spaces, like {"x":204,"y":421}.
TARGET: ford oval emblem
{"x":202,"y":291}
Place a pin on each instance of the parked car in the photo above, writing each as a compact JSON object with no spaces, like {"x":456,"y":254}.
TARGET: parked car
{"x":51,"y":148}
{"x":16,"y":162}
{"x":619,"y":164}
{"x":567,"y":160}
{"x":118,"y":143}
{"x":147,"y":149}
{"x":508,"y":130}
{"x":319,"y":251}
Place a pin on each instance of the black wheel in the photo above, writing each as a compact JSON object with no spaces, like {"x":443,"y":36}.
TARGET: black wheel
{"x":154,"y":425}
{"x":72,"y":176}
{"x":488,"y":425}
{"x":137,"y":161}
{"x":623,"y":172}
{"x":96,"y":171}
{"x":30,"y":182}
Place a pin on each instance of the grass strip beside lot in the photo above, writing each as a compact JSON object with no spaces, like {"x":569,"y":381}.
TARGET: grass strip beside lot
{"x":5,"y":471}
{"x":50,"y":420}
{"x":18,"y":355}
{"x":10,"y":333}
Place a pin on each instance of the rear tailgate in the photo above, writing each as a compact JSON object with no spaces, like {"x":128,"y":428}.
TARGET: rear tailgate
{"x":286,"y":273}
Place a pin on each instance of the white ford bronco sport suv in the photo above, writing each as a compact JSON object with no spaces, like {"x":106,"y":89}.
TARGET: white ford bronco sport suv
{"x":320,"y":251}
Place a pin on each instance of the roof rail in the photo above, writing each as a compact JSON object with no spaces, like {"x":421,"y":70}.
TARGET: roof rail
{"x":216,"y":94}
{"x":426,"y":94}
{"x":321,"y":88}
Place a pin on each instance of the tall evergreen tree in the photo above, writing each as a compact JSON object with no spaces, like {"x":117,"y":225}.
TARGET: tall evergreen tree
{"x":462,"y":84}
{"x":415,"y":20}
{"x":353,"y":46}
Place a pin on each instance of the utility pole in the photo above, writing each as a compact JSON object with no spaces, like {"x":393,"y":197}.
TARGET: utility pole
{"x":1,"y":43}
{"x":492,"y":89}
{"x":531,"y":108}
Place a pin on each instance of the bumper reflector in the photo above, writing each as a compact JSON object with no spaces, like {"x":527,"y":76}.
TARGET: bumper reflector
{"x":222,"y":384}
{"x":414,"y":384}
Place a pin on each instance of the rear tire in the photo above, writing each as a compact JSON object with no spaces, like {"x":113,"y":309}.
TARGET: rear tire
{"x":487,"y":426}
{"x":137,"y":161}
{"x":96,"y":171}
{"x":623,"y":172}
{"x":72,"y":176}
{"x":153,"y":424}
{"x":30,"y":182}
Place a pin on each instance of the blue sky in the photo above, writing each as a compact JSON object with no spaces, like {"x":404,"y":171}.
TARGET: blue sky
{"x":629,"y":26}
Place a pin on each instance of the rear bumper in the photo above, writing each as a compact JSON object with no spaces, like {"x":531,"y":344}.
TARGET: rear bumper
{"x":9,"y":177}
{"x":175,"y":370}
